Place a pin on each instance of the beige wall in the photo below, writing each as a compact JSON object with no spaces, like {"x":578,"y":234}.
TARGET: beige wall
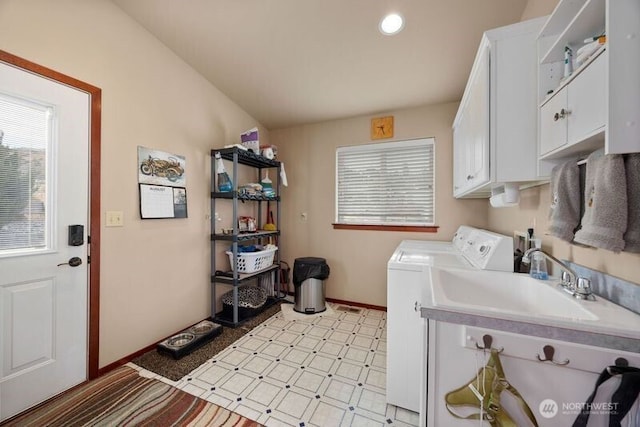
{"x":537,"y":8}
{"x":534,"y":209}
{"x":358,"y":259}
{"x":155,"y":273}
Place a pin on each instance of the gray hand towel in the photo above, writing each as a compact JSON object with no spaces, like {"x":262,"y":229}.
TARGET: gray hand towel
{"x":605,"y":196}
{"x":632,"y":236}
{"x":565,"y":200}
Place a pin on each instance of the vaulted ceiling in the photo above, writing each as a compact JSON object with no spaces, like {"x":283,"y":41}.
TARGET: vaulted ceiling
{"x":292,"y":62}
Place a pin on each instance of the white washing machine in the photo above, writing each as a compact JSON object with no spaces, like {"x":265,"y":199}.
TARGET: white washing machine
{"x":407,"y":285}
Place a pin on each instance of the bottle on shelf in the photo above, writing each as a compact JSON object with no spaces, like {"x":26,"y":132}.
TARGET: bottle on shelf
{"x":224,"y":182}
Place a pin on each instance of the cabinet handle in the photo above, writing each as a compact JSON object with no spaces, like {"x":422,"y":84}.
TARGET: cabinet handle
{"x":469,"y":177}
{"x":548,"y":351}
{"x":561,"y":115}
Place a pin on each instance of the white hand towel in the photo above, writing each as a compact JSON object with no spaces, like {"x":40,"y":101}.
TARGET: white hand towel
{"x":565,"y":200}
{"x":283,"y":175}
{"x":632,"y":236}
{"x":605,"y":195}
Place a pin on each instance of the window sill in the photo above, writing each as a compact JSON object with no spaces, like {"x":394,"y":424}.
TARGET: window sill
{"x":407,"y":228}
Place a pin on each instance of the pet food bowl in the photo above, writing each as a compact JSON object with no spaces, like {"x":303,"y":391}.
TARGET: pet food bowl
{"x":180,"y":340}
{"x":201,"y":328}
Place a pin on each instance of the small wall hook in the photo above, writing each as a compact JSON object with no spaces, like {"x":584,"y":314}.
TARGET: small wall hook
{"x":621,"y":362}
{"x":487,"y":340}
{"x":548,"y":351}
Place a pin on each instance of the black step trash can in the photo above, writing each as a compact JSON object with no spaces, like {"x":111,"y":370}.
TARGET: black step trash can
{"x":308,"y":280}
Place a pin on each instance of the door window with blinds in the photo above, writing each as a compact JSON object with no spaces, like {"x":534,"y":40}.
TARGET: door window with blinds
{"x":25,"y":138}
{"x":386,"y":184}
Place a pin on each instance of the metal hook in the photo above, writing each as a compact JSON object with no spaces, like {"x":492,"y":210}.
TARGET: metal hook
{"x":487,"y":340}
{"x":621,"y":362}
{"x":548,"y":351}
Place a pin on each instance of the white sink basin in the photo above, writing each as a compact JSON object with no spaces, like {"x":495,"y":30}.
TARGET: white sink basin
{"x":501,"y":291}
{"x":520,"y":297}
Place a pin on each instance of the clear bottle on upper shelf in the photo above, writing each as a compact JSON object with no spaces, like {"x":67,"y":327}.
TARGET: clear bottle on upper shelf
{"x":224,"y":182}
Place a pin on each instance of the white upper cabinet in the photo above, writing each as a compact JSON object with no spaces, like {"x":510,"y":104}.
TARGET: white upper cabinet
{"x":495,"y":129}
{"x":575,"y":116}
{"x":598,"y":104}
{"x":471,"y":132}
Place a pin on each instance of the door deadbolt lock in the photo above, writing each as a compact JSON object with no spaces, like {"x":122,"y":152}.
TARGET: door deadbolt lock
{"x":73,"y":262}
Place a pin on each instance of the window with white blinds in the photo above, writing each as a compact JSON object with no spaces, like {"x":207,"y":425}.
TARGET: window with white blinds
{"x":386,"y":184}
{"x":25,"y":135}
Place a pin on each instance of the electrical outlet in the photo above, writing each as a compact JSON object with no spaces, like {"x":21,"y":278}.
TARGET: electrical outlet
{"x":114,"y":219}
{"x":520,"y":241}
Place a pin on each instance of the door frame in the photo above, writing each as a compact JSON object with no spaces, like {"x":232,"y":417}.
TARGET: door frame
{"x":95,"y":117}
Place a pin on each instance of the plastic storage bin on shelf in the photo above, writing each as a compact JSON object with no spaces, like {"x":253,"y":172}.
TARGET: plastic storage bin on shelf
{"x":250,"y":262}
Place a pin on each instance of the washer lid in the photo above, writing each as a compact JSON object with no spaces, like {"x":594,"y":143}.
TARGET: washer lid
{"x":431,"y":258}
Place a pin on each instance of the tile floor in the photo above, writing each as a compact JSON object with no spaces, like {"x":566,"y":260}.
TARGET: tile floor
{"x":324,"y":371}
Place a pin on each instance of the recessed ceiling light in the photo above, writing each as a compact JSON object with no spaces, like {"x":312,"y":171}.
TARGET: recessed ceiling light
{"x":391,"y":24}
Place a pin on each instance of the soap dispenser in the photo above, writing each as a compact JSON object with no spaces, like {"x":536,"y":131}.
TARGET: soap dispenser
{"x":538,"y":268}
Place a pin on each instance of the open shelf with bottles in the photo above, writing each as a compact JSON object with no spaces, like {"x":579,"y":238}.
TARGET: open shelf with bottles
{"x":235,"y":278}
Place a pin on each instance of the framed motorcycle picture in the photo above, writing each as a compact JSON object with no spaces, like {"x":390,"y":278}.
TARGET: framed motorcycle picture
{"x":161,"y":168}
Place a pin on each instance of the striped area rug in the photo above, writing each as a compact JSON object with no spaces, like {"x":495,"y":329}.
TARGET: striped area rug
{"x":123,"y":398}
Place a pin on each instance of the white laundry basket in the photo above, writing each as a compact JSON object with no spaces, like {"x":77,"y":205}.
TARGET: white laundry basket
{"x":250,"y":262}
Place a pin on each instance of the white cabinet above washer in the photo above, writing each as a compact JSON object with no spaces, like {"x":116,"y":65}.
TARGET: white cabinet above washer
{"x":494,"y":132}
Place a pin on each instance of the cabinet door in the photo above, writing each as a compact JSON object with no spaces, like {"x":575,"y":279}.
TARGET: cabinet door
{"x":460,"y":153}
{"x":587,"y":102}
{"x":553,"y":127}
{"x":454,"y":361}
{"x":404,"y":339}
{"x":471,"y":133}
{"x":478,"y":109}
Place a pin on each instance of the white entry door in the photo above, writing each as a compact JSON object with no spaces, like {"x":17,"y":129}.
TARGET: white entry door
{"x":44,"y":162}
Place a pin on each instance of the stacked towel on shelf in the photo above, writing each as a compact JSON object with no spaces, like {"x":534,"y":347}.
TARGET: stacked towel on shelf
{"x":605,"y":213}
{"x":632,"y":235}
{"x":564,"y":214}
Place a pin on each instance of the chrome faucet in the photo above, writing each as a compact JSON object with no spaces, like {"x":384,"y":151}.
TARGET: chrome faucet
{"x":579,"y":287}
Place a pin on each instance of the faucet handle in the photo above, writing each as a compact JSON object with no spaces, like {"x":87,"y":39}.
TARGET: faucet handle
{"x":566,"y":278}
{"x":583,"y":287}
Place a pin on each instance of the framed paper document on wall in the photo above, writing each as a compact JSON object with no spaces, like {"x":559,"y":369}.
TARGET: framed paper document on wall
{"x":160,"y":201}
